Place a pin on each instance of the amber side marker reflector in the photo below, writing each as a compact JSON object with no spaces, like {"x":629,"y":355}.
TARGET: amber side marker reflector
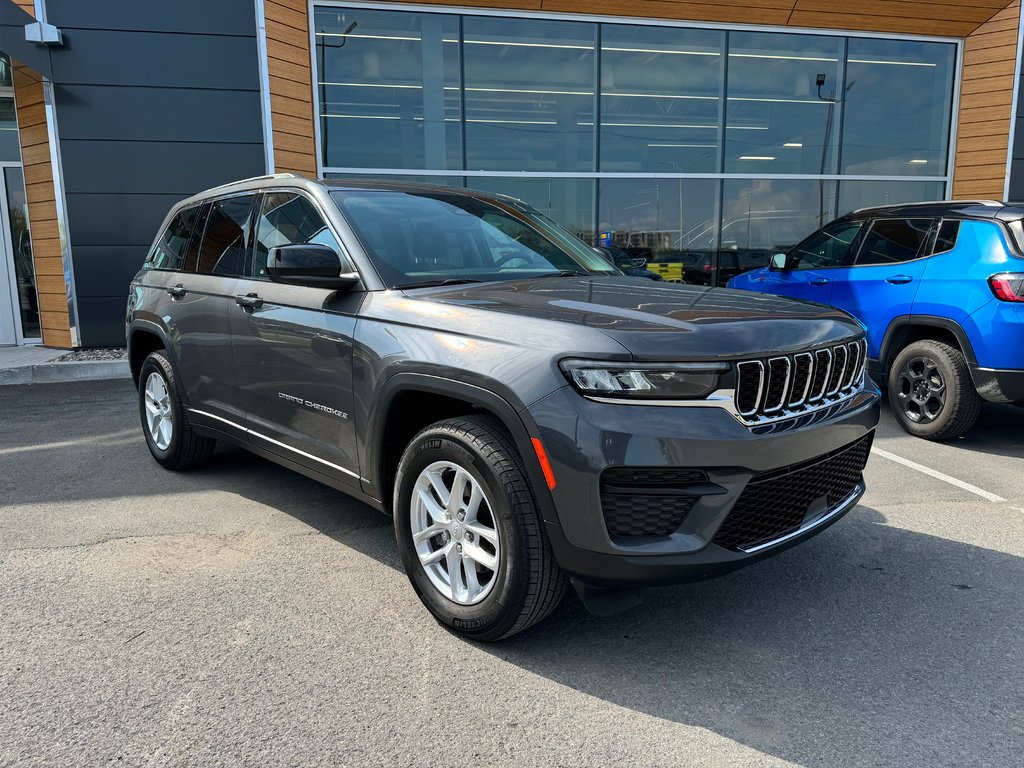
{"x":545,"y":465}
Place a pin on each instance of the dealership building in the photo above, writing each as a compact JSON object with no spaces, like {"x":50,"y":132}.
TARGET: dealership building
{"x":731,"y":128}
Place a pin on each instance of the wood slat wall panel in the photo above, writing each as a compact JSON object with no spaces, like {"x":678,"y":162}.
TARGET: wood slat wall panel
{"x":868,"y":23}
{"x":292,"y":71}
{"x":997,"y":83}
{"x":979,"y":143}
{"x":289,"y":17}
{"x":992,"y":40}
{"x":42,"y":210}
{"x":666,"y":9}
{"x":986,"y":95}
{"x":994,"y":99}
{"x":998,"y":54}
{"x":904,"y":10}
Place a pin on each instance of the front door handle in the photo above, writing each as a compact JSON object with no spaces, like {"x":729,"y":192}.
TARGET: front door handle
{"x":177,"y":291}
{"x":819,"y":281}
{"x":898,"y":279}
{"x":249,"y":301}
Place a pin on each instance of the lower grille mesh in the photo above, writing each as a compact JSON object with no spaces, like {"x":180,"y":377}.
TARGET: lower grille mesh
{"x":775,"y":504}
{"x":647,"y":501}
{"x":642,"y":515}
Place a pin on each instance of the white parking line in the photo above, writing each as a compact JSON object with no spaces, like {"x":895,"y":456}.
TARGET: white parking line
{"x":937,"y":475}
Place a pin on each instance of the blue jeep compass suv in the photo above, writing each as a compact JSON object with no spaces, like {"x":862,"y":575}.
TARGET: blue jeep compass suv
{"x":940,"y":288}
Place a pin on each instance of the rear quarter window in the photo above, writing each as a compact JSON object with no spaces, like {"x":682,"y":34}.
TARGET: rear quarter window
{"x":169,"y":250}
{"x":945,"y":240}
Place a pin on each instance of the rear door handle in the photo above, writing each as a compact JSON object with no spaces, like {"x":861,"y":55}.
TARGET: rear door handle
{"x":898,"y":279}
{"x":177,"y":291}
{"x":249,"y":301}
{"x":819,"y":281}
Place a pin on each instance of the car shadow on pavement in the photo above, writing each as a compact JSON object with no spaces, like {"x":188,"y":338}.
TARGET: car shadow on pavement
{"x":869,"y":645}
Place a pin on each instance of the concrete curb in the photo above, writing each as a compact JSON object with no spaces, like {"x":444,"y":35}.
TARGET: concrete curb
{"x":52,"y":373}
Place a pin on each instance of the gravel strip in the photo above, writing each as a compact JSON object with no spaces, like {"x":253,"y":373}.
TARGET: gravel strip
{"x":82,"y":355}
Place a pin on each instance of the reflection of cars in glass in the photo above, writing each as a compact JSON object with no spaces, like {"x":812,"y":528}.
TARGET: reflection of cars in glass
{"x":633,"y":266}
{"x":746,"y":242}
{"x":940,"y":287}
{"x":528,"y":416}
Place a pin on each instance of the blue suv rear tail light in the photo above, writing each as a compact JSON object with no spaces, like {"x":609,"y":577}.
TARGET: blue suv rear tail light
{"x":1008,"y":286}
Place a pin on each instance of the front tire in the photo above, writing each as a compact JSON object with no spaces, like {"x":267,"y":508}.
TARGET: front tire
{"x":931,"y":391}
{"x":469,"y":531}
{"x":170,"y":437}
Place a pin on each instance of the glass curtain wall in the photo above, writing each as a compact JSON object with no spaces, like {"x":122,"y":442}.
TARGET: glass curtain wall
{"x":703,"y":150}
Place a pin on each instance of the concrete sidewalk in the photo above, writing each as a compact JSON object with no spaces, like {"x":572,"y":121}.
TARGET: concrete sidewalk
{"x":42,"y":365}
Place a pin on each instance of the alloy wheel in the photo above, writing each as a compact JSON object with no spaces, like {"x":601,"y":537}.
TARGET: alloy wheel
{"x":921,"y":390}
{"x":454,"y":532}
{"x":158,"y":411}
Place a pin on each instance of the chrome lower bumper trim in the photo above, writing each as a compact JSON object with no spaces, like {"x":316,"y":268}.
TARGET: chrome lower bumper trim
{"x":844,"y":506}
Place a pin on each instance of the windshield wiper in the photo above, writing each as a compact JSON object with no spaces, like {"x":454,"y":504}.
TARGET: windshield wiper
{"x":565,"y":273}
{"x":435,"y":283}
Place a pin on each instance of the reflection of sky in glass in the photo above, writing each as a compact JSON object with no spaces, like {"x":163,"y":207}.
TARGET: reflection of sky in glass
{"x":502,"y":95}
{"x":898,"y":106}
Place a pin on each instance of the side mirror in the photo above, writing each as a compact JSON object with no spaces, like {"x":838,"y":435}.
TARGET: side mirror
{"x":778,"y":262}
{"x":309,"y":264}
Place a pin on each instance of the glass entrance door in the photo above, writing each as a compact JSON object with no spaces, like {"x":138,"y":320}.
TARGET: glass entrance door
{"x":19,"y":303}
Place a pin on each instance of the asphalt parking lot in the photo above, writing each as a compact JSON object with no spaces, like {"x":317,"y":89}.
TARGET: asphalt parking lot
{"x":242,"y":614}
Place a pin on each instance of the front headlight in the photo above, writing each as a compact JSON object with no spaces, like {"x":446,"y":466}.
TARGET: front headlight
{"x":644,"y":381}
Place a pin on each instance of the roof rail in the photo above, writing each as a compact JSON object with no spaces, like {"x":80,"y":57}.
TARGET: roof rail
{"x":987,"y":203}
{"x":257,"y":178}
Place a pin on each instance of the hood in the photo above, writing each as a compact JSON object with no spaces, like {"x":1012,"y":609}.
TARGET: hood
{"x":660,"y":320}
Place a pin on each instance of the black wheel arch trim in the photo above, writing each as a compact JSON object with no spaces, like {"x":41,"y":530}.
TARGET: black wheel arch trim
{"x":887,"y":353}
{"x":155,"y":329}
{"x":514,"y":420}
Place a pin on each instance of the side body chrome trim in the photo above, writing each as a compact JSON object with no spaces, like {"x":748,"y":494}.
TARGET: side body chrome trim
{"x":261,"y":436}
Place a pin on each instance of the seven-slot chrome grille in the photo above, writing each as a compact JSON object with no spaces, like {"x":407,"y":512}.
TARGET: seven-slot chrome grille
{"x":790,"y":385}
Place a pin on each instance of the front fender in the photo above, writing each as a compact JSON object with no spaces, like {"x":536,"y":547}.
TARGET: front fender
{"x":513,"y":415}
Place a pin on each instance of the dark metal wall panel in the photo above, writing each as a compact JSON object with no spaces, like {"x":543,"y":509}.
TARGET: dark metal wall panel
{"x":134,"y":113}
{"x":222,"y":17}
{"x":102,"y":321}
{"x":101,"y":261}
{"x":155,"y":167}
{"x":156,"y":59}
{"x":155,"y":101}
{"x":137,"y":217}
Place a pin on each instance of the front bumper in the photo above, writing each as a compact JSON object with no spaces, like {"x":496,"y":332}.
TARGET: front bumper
{"x":583,"y":438}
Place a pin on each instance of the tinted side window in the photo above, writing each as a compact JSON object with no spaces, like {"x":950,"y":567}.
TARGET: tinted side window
{"x":946,"y":239}
{"x":169,"y":251}
{"x":287,"y":218}
{"x":224,"y":242}
{"x":828,"y":248}
{"x":892,"y":241}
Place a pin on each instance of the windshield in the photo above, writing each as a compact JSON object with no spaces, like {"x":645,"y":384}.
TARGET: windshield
{"x":430,"y":238}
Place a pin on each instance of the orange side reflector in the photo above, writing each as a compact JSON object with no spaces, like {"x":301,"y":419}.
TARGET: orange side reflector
{"x":545,"y":465}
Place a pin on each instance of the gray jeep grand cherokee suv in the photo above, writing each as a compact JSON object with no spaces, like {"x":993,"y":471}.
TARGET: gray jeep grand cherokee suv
{"x":528,"y":416}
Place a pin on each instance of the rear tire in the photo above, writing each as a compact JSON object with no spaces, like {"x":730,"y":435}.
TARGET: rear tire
{"x":931,"y":391}
{"x":170,"y":437}
{"x":457,"y":477}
